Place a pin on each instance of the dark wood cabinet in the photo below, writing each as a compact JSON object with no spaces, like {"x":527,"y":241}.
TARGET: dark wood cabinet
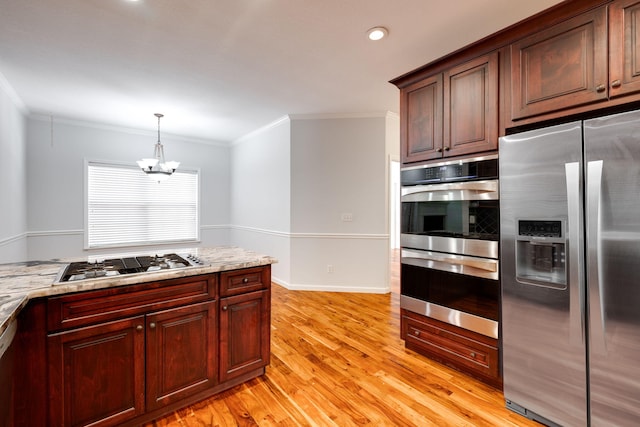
{"x":471,"y":106}
{"x":588,"y":62}
{"x":624,"y":48}
{"x":451,"y":113}
{"x":96,"y":374}
{"x":245,"y":319}
{"x":6,"y":370}
{"x":421,"y":109}
{"x":124,"y":355}
{"x":464,"y":350}
{"x":113,"y":357}
{"x":575,"y":59}
{"x":180,"y":353}
{"x":560,"y":67}
{"x":244,"y":333}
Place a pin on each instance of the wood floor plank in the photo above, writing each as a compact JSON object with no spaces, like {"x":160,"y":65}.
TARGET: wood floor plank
{"x":337,"y":360}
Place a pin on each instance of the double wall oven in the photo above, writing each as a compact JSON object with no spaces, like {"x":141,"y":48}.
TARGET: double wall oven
{"x":449,"y":243}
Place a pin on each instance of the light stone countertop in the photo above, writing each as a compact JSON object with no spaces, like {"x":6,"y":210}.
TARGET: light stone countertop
{"x":20,"y":282}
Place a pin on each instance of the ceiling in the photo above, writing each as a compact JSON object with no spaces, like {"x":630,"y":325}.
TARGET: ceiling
{"x":220,"y":69}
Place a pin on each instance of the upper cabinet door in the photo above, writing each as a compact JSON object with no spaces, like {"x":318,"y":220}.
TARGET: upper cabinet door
{"x":471,"y":106}
{"x":421,"y":127}
{"x":561,"y":67}
{"x":624,"y":53}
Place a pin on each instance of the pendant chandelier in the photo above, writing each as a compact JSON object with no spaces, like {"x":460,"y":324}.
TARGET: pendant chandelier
{"x":156,"y":168}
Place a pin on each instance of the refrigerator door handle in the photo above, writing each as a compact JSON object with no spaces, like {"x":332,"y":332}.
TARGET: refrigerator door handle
{"x":574,"y":240}
{"x":594,"y":274}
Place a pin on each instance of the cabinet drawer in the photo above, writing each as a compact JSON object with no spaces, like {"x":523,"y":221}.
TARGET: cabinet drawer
{"x":86,"y":308}
{"x":246,"y":280}
{"x":461,"y":349}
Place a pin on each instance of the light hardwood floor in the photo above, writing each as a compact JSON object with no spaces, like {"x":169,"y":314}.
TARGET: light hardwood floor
{"x":337,"y":360}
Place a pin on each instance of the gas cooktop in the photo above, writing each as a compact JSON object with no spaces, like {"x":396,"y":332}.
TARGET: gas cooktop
{"x":118,"y":266}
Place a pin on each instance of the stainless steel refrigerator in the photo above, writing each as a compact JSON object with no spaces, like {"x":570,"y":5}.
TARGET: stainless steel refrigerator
{"x":570,"y":259}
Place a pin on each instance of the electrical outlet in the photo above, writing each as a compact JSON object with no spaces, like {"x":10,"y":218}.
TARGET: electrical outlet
{"x":347,"y":217}
{"x":329,"y":268}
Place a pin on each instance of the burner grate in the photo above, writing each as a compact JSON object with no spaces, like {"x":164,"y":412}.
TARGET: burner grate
{"x":117,"y":266}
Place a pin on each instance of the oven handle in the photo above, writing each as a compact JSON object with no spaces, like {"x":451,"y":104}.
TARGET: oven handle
{"x":487,"y":265}
{"x":473,"y":190}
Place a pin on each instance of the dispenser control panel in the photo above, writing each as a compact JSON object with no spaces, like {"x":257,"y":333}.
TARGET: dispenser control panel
{"x":537,"y":228}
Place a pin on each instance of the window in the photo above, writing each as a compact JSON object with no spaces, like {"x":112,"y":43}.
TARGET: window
{"x":126,"y":208}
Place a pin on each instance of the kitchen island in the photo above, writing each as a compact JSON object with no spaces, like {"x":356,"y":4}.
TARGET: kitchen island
{"x":143,"y":343}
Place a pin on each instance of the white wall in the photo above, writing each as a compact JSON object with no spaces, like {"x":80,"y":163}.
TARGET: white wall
{"x":393,"y":173}
{"x":13,"y":207}
{"x":292,"y":181}
{"x":56,"y":154}
{"x":260,"y":195}
{"x":339,"y":166}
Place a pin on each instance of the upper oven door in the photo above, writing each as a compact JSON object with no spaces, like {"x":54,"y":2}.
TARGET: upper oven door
{"x":460,"y":217}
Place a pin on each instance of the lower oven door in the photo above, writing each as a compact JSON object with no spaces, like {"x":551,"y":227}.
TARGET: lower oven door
{"x":460,"y":290}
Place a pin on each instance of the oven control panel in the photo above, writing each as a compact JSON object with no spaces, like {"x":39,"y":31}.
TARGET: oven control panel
{"x":450,"y":172}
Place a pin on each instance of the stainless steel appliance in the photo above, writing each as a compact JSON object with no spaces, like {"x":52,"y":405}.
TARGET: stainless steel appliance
{"x":449,"y":239}
{"x":127,"y":265}
{"x":570,"y":257}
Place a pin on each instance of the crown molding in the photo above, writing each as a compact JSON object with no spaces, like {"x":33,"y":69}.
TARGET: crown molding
{"x":263,"y":129}
{"x":13,"y":95}
{"x":329,"y":116}
{"x":53,"y":119}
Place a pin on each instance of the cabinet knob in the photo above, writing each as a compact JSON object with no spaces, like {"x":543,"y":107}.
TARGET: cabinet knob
{"x":473,"y":354}
{"x":152,"y":325}
{"x":224,"y":308}
{"x":417,"y":333}
{"x":245,"y":280}
{"x":439,"y":150}
{"x":616,"y":83}
{"x":601,"y":88}
{"x":447,"y":148}
{"x":139,"y":328}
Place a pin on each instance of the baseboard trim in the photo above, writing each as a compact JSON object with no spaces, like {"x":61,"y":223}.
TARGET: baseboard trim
{"x":331,"y":288}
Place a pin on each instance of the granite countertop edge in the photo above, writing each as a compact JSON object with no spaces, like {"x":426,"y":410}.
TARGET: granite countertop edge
{"x":21,"y":282}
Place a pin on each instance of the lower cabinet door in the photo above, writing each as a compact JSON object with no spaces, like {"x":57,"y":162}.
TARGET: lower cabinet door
{"x":181,"y":353}
{"x":96,"y":374}
{"x":245,"y":343}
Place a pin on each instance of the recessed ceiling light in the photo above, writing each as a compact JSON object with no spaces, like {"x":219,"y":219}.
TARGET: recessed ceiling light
{"x":377,"y":33}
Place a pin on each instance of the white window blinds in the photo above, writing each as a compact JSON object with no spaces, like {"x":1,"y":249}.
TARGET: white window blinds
{"x":125,"y":207}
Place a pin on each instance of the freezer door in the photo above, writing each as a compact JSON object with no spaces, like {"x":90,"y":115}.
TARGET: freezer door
{"x":543,"y":329}
{"x":612,"y":153}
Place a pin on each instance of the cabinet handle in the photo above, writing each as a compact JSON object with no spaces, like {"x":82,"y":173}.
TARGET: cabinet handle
{"x":245,"y":280}
{"x":616,"y":83}
{"x":417,"y":333}
{"x":447,"y":148}
{"x":601,"y":88}
{"x":139,"y":328}
{"x":473,"y":354}
{"x":152,"y":325}
{"x":439,"y":150}
{"x":224,"y":308}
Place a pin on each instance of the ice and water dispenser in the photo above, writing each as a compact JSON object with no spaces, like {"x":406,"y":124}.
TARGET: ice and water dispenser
{"x":540,"y":253}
